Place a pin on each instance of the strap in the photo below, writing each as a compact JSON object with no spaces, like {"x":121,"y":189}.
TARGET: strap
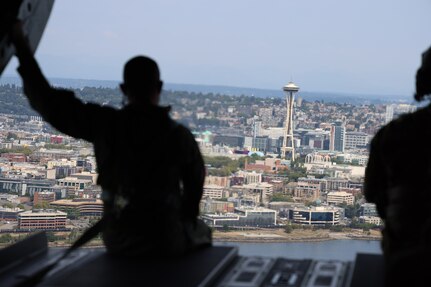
{"x":89,"y":234}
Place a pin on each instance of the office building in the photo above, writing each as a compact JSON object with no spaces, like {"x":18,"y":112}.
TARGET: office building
{"x":74,"y":183}
{"x":340,"y":197}
{"x":320,"y":215}
{"x":9,"y":213}
{"x":368,"y":209}
{"x":337,"y":137}
{"x":43,"y":197}
{"x":42,"y":219}
{"x":213,"y":191}
{"x":371,"y":220}
{"x":356,"y":140}
{"x":79,"y":206}
{"x":243,"y":217}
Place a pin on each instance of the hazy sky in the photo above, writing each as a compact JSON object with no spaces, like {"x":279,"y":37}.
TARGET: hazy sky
{"x":365,"y":46}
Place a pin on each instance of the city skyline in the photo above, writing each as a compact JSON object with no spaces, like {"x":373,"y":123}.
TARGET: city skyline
{"x":326,"y":47}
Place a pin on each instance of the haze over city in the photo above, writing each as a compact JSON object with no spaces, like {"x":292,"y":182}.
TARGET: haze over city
{"x":363,"y":47}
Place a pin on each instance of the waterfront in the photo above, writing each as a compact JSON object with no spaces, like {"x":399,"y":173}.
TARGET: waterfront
{"x":332,"y":249}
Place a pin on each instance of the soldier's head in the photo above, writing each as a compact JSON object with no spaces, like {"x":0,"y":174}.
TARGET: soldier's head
{"x":142,"y":84}
{"x":423,"y":77}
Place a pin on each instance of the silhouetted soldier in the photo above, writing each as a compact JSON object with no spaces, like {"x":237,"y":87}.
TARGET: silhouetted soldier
{"x":397,"y":180}
{"x":150,"y":167}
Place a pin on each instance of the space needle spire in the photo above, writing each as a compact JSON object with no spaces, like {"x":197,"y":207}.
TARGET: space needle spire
{"x":288,"y":147}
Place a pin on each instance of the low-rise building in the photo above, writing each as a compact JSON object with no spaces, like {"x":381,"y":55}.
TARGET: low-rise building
{"x":356,"y":139}
{"x":25,"y":186}
{"x":304,"y":190}
{"x":54,"y":154}
{"x":213,"y":191}
{"x":10,"y":213}
{"x":320,"y":215}
{"x":43,"y":197}
{"x":265,"y":190}
{"x":334,"y":183}
{"x":223,"y":181}
{"x":340,"y":197}
{"x":10,"y":197}
{"x":15,"y":157}
{"x":246,"y":217}
{"x":75,"y":183}
{"x":252,"y":177}
{"x":321,"y":181}
{"x":370,"y":220}
{"x":213,"y":206}
{"x":42,"y":219}
{"x":368,"y":209}
{"x":80,"y":206}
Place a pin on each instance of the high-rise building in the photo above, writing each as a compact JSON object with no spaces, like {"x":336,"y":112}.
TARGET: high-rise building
{"x":257,"y":127}
{"x":389,"y":113}
{"x":260,"y":143}
{"x":299,"y":102}
{"x":337,"y":137}
{"x":393,"y":111}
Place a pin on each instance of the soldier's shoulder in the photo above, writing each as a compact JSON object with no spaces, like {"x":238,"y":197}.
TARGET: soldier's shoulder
{"x":407,"y":124}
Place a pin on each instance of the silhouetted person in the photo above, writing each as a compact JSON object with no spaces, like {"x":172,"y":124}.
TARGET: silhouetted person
{"x":150,"y":168}
{"x":398,"y":181}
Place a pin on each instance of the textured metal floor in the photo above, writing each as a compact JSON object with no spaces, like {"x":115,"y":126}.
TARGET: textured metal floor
{"x":93,"y":267}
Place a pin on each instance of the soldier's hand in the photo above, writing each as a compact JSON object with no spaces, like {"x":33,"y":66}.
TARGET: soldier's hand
{"x":19,"y":39}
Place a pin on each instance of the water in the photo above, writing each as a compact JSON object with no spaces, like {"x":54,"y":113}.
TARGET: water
{"x":333,"y":249}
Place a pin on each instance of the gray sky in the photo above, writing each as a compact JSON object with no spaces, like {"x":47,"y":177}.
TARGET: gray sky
{"x":366,"y":46}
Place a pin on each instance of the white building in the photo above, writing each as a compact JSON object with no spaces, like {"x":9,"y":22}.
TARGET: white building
{"x":340,"y":197}
{"x":371,"y":220}
{"x":263,"y":190}
{"x":213,"y":191}
{"x":74,"y":183}
{"x":320,"y":215}
{"x":356,"y":139}
{"x":253,"y":217}
{"x":253,"y":177}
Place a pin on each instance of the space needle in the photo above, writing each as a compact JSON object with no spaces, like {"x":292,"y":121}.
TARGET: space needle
{"x":288,"y":147}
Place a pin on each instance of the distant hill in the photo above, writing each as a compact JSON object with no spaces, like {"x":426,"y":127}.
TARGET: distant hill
{"x":231,"y":91}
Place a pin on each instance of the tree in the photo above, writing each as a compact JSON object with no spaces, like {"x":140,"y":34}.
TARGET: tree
{"x":6,"y":238}
{"x":225,"y":228}
{"x":281,"y":197}
{"x":73,"y":235}
{"x":51,"y":236}
{"x":288,"y":228}
{"x":221,"y":165}
{"x":41,"y":205}
{"x":24,"y":150}
{"x":364,"y":226}
{"x":72,"y":213}
{"x":11,"y":136}
{"x":57,"y":146}
{"x":8,"y":205}
{"x":351,"y":211}
{"x":336,"y":228}
{"x":294,"y":174}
